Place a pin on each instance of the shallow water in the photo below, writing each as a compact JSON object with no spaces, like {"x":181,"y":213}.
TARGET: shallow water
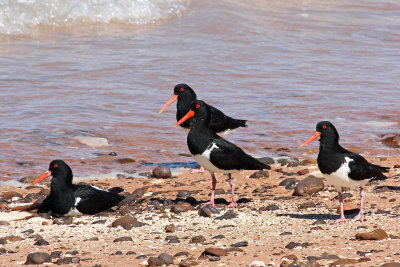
{"x":283,"y":65}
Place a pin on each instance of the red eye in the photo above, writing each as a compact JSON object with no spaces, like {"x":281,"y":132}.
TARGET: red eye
{"x":323,"y":126}
{"x":55,"y":165}
{"x":198,"y":106}
{"x":182,"y":89}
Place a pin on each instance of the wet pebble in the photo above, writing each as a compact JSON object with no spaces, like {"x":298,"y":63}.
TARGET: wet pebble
{"x":391,"y":140}
{"x":181,"y":207}
{"x":125,"y":160}
{"x":377,"y":234}
{"x":27,"y":179}
{"x":38,"y":258}
{"x":161,"y":172}
{"x":266,"y":160}
{"x":308,"y":186}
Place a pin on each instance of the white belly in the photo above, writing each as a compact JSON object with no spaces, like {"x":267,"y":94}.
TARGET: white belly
{"x":204,"y":160}
{"x":341,"y":178}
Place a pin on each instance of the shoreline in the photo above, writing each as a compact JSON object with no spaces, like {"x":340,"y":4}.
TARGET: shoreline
{"x":267,"y":220}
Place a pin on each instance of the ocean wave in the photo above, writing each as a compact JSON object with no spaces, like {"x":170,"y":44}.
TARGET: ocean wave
{"x":23,"y":16}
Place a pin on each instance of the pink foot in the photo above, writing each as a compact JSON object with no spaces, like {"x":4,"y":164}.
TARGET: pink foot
{"x":199,"y":170}
{"x":211,"y":202}
{"x":359,"y":217}
{"x":342,"y":219}
{"x":233,"y":204}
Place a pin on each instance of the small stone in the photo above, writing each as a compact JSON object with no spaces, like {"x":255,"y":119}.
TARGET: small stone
{"x":166,"y":259}
{"x":271,"y":207}
{"x":266,"y":160}
{"x":293,"y":245}
{"x":306,"y":162}
{"x":153,"y":261}
{"x":183,"y":194}
{"x":123,"y":239}
{"x":197,"y":239}
{"x":92,"y":141}
{"x":27,"y":179}
{"x":188,"y":263}
{"x":56,"y":254}
{"x":66,"y":220}
{"x":288,"y":183}
{"x":119,"y":252}
{"x":303,"y":172}
{"x":257,"y":264}
{"x":8,"y":196}
{"x":214,"y":258}
{"x":230,"y":214}
{"x":377,"y":234}
{"x":161,"y":172}
{"x":172,"y":239}
{"x":4,"y":223}
{"x":14,"y":238}
{"x":170,"y":228}
{"x":391,"y":264}
{"x":41,"y":242}
{"x":65,"y":260}
{"x":343,"y":262}
{"x":181,"y":207}
{"x":306,"y":205}
{"x":240,"y":244}
{"x":99,"y":222}
{"x":260,"y":174}
{"x":38,"y":258}
{"x":392,"y":141}
{"x":28,"y":232}
{"x":130,"y":253}
{"x":283,"y":161}
{"x":123,"y":221}
{"x":308,"y":186}
{"x":218,"y":237}
{"x":349,"y":208}
{"x":318,"y":222}
{"x":215,"y":252}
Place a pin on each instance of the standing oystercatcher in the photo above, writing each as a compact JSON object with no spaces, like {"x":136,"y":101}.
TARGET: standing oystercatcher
{"x":69,"y":199}
{"x":220,"y":123}
{"x":212,"y":151}
{"x":341,"y":167}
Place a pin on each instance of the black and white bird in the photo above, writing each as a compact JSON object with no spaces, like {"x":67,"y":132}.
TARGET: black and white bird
{"x":341,"y":167}
{"x":219,"y":122}
{"x":68,"y":199}
{"x":214,"y":153}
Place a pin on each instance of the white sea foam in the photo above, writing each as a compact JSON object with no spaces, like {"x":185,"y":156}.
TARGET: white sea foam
{"x":23,"y":16}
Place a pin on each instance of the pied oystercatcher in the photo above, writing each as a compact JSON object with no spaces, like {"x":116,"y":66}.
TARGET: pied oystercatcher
{"x":220,"y":123}
{"x":69,"y":199}
{"x":341,"y":167}
{"x":214,"y":153}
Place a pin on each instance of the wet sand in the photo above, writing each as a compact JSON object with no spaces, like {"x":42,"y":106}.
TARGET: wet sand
{"x":268,"y":230}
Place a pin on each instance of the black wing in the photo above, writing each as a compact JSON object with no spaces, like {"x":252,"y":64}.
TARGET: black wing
{"x":221,"y":122}
{"x":361,"y":169}
{"x":228,"y":156}
{"x":94,"y":200}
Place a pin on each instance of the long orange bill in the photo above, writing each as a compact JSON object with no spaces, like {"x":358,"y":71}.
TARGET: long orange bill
{"x":313,"y":137}
{"x":187,"y":116}
{"x":42,"y":177}
{"x":169,"y":102}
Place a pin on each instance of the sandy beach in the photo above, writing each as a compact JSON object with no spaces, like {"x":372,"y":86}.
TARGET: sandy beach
{"x":270,"y":225}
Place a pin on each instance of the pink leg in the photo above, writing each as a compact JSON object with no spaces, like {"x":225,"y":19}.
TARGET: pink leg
{"x":342,"y":218}
{"x":360,"y":215}
{"x":233,"y":203}
{"x":213,"y":183}
{"x":199,"y":170}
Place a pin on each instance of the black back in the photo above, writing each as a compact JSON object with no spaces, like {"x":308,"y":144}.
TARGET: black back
{"x":331,"y":156}
{"x":227,"y":156}
{"x":219,"y":121}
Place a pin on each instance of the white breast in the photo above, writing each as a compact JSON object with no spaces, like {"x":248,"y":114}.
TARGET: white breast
{"x":340,"y":178}
{"x":74,"y":211}
{"x":203,"y":160}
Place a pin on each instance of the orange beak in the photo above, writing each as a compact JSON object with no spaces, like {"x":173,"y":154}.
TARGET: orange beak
{"x":187,"y":116}
{"x":42,"y":177}
{"x":169,"y":102}
{"x":313,"y":137}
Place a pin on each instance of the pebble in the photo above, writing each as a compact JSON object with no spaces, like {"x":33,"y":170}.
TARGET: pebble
{"x":125,"y":160}
{"x":161,"y":172}
{"x":270,"y":207}
{"x":214,"y":258}
{"x":123,"y":221}
{"x":170,"y":228}
{"x":171,"y":239}
{"x":38,"y":258}
{"x":181,"y":207}
{"x":92,"y":141}
{"x":308,"y":186}
{"x":259,"y":174}
{"x":377,"y":234}
{"x":67,"y":260}
{"x":257,"y":264}
{"x":303,"y":172}
{"x":41,"y":242}
{"x":318,"y":222}
{"x":153,"y":261}
{"x":130,"y":253}
{"x":123,"y":239}
{"x":4,"y":223}
{"x":391,"y":141}
{"x":266,"y":160}
{"x":215,"y":252}
{"x":391,"y":264}
{"x":197,"y":239}
{"x":56,"y":254}
{"x":183,"y":194}
{"x":27,"y":179}
{"x":166,"y":259}
{"x":230,"y":214}
{"x":288,"y":183}
{"x":66,"y":220}
{"x":306,"y":205}
{"x":207,"y":211}
{"x":240,"y":244}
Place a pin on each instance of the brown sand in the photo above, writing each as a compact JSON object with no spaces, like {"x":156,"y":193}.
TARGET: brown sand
{"x":267,"y":232}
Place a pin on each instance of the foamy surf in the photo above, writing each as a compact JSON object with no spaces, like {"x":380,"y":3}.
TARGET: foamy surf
{"x":24,"y":16}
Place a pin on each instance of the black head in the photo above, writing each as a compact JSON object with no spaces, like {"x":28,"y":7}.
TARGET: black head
{"x":183,"y":90}
{"x":60,"y":171}
{"x":327,"y":133}
{"x":200,"y":111}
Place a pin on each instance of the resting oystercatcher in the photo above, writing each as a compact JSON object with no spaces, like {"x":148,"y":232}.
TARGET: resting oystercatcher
{"x":220,"y":123}
{"x":341,"y":167}
{"x":214,"y":153}
{"x":69,"y":199}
